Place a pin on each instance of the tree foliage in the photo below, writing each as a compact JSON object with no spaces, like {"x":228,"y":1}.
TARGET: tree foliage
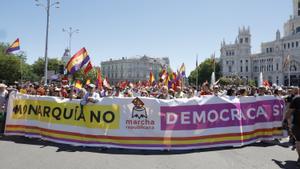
{"x":13,"y":67}
{"x":92,"y":75}
{"x":203,"y":72}
{"x":38,"y":66}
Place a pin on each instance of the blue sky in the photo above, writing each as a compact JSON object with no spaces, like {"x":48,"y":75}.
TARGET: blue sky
{"x":178,"y":29}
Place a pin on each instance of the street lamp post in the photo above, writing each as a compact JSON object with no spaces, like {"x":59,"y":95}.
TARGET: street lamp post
{"x":47,"y":8}
{"x":70,"y":33}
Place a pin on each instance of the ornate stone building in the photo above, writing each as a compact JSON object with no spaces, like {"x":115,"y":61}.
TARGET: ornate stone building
{"x":236,"y":58}
{"x":133,"y":69}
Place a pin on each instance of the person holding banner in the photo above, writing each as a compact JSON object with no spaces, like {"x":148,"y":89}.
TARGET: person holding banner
{"x":165,"y":94}
{"x":91,"y":96}
{"x":293,"y":118}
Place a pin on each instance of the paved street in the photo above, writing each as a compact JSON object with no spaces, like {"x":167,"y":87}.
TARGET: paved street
{"x":20,"y":152}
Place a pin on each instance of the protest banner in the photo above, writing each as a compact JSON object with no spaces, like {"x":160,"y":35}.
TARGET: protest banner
{"x":147,"y":123}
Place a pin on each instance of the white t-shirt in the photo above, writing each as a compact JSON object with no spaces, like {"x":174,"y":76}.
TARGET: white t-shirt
{"x":3,"y":100}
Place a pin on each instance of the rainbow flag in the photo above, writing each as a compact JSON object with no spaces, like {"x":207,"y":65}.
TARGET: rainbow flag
{"x":14,"y":46}
{"x":78,"y":61}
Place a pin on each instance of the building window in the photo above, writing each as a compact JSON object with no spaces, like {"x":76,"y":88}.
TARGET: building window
{"x":246,"y":40}
{"x":270,"y":79}
{"x":241,"y":40}
{"x":297,"y":44}
{"x":267,"y":50}
{"x":292,"y":44}
{"x":284,"y":46}
{"x":277,"y":66}
{"x":271,"y":50}
{"x":297,"y":29}
{"x":277,"y":80}
{"x":246,"y":68}
{"x":229,"y":69}
{"x":246,"y":61}
{"x":241,"y":61}
{"x":298,"y":8}
{"x":271,"y":67}
{"x":288,"y":45}
{"x":241,"y":68}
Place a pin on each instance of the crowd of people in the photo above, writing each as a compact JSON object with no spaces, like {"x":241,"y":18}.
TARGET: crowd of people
{"x":92,"y":93}
{"x":159,"y":90}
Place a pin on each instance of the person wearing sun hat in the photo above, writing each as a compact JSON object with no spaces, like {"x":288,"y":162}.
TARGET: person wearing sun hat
{"x":91,"y":96}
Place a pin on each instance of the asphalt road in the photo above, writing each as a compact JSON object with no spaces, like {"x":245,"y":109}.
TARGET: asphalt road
{"x":24,"y":153}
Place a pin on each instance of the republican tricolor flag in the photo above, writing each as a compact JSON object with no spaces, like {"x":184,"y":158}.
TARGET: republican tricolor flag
{"x":14,"y":46}
{"x":182,"y":70}
{"x":78,"y":61}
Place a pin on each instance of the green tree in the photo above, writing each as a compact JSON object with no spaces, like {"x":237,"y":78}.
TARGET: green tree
{"x":38,"y":66}
{"x":203,"y":72}
{"x":92,"y":75}
{"x":225,"y":81}
{"x":251,"y":82}
{"x":13,"y":66}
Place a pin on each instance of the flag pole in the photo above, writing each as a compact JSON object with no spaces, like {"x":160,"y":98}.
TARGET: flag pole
{"x":289,"y":71}
{"x":214,"y":62}
{"x":197,"y":83}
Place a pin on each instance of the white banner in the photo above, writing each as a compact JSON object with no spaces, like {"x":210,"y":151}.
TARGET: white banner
{"x":147,"y":123}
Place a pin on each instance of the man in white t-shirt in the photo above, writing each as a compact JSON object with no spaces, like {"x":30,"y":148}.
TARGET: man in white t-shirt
{"x":91,"y":96}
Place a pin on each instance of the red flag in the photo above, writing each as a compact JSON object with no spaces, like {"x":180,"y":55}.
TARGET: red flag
{"x":88,"y":68}
{"x":106,"y":82}
{"x":124,"y":84}
{"x":266,"y":83}
{"x":99,"y":83}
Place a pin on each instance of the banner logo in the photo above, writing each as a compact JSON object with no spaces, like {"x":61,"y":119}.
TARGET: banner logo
{"x":139,"y":117}
{"x":138,"y":111}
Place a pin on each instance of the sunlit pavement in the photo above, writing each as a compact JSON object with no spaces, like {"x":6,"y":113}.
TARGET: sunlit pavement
{"x":20,"y":152}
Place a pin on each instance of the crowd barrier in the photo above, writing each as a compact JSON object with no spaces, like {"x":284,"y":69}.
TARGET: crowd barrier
{"x":147,"y":123}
